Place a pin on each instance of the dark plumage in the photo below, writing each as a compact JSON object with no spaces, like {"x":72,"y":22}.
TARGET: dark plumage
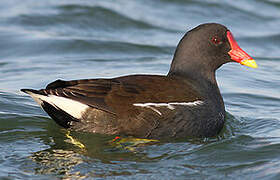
{"x":185,"y":103}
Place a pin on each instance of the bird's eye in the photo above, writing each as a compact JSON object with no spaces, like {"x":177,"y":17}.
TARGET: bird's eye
{"x":216,"y":40}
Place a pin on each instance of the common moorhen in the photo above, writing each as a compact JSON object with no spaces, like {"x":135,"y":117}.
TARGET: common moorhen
{"x":184,"y":103}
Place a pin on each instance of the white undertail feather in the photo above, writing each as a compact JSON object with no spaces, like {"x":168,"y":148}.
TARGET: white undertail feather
{"x":170,"y":105}
{"x":74,"y":108}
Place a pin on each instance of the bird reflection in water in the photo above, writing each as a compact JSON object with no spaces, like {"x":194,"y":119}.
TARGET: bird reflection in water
{"x":58,"y":162}
{"x":71,"y":152}
{"x":59,"y":159}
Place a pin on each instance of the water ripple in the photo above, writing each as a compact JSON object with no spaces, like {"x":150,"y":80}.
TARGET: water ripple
{"x":70,"y":39}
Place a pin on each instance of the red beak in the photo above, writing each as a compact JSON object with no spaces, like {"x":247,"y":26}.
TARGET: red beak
{"x":238,"y":55}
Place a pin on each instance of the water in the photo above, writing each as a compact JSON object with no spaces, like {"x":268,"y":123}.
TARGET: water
{"x":67,"y":39}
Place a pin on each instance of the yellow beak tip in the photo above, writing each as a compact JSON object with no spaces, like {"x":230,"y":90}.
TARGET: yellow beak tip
{"x":250,"y":63}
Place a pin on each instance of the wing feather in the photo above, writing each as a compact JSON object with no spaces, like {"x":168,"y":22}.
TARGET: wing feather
{"x":119,"y":94}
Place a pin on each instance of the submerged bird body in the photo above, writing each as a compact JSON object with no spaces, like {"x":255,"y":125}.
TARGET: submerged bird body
{"x":185,"y":103}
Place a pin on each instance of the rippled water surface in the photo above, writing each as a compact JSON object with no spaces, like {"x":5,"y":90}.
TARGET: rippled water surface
{"x":45,"y":40}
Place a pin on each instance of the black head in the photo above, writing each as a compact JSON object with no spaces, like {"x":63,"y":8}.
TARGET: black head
{"x":205,"y":48}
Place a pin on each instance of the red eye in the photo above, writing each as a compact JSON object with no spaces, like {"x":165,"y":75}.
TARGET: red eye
{"x":216,"y":40}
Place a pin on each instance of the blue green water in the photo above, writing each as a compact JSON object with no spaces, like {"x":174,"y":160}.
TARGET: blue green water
{"x":41,"y":41}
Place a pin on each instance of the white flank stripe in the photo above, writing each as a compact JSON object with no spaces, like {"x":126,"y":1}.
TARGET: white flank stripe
{"x":74,"y":108}
{"x":168,"y":105}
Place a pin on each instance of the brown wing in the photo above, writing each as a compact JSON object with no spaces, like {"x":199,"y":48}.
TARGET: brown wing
{"x":119,"y":94}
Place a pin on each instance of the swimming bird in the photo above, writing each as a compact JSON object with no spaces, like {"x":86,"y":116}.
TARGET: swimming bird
{"x":184,"y":103}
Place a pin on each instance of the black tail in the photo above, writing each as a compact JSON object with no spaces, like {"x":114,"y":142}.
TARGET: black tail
{"x":28,"y":91}
{"x":58,"y":115}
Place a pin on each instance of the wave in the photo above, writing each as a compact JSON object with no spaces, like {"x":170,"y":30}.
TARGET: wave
{"x":82,"y":17}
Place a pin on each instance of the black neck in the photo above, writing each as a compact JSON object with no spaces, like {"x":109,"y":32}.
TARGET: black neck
{"x":200,"y":78}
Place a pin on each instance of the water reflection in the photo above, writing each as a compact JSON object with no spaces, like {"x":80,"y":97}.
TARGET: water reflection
{"x":81,"y":155}
{"x":58,"y":162}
